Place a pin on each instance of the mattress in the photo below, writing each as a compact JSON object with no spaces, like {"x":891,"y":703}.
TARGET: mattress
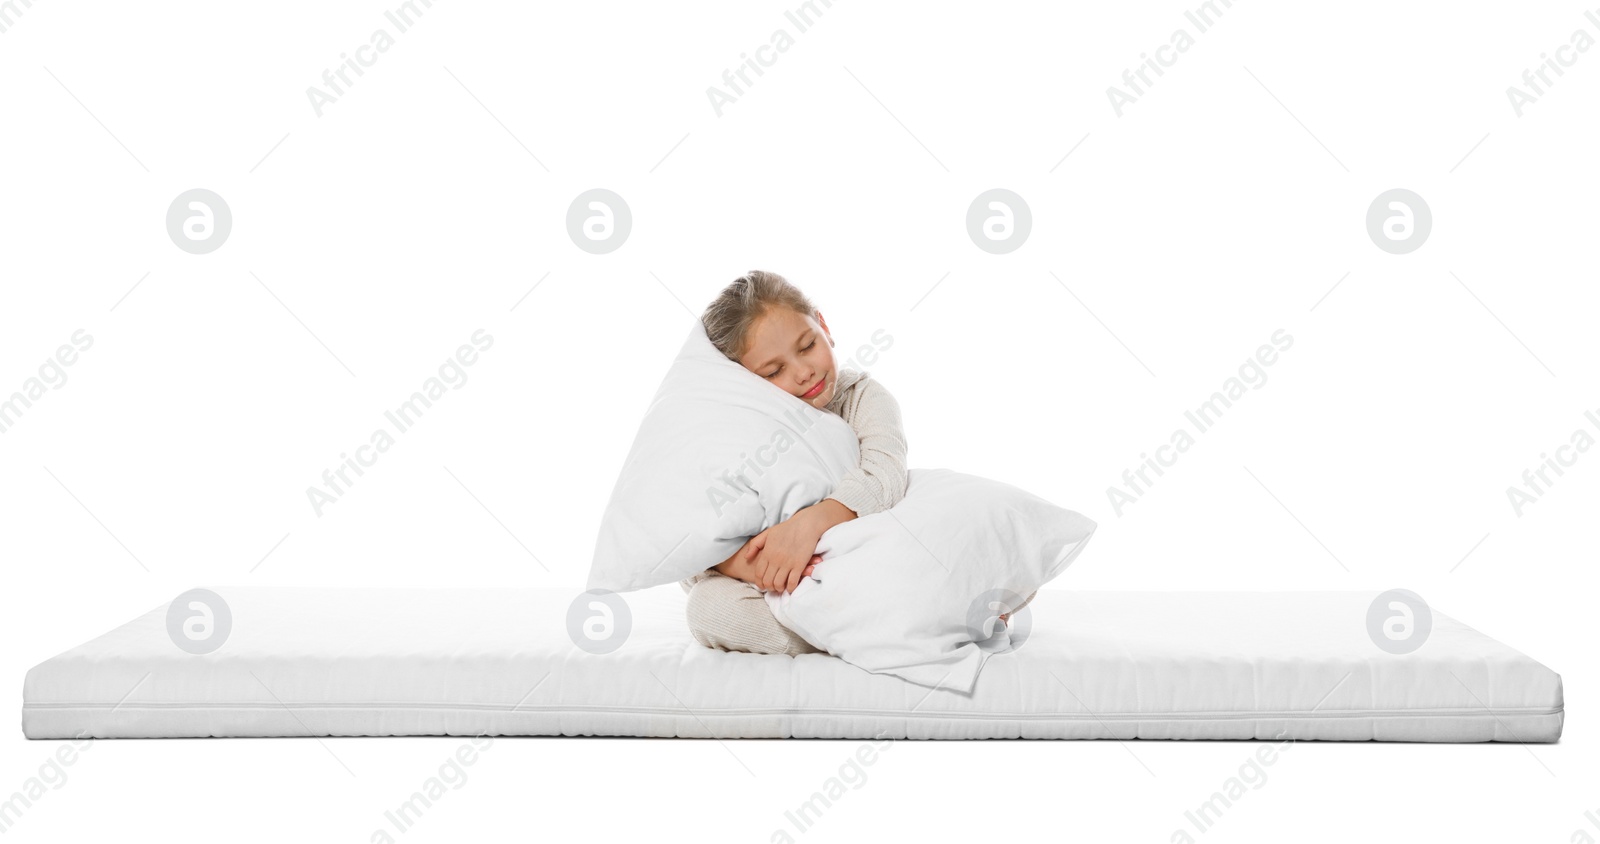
{"x":1095,"y":665}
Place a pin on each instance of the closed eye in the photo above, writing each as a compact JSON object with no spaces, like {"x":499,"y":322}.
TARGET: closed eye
{"x":809,"y":346}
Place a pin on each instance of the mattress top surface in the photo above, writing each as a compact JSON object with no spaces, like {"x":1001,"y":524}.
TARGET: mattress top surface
{"x":1116,"y":655}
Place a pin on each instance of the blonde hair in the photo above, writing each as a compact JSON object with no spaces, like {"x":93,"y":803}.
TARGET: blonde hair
{"x":729,"y":316}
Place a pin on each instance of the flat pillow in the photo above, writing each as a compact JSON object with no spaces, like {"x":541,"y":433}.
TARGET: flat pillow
{"x":722,"y":454}
{"x":916,"y":590}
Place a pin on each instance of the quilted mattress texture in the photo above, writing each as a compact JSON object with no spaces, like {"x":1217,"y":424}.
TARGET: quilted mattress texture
{"x":1094,"y":665}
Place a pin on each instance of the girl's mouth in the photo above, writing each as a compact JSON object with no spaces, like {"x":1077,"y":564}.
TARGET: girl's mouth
{"x":815,"y":390}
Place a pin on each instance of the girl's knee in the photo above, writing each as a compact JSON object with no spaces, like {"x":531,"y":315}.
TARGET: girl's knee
{"x":730,"y":615}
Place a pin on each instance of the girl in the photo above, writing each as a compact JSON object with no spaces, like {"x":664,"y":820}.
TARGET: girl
{"x":765,"y":324}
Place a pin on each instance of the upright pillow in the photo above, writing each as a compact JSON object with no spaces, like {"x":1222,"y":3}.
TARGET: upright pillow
{"x":916,"y":590}
{"x":722,"y":454}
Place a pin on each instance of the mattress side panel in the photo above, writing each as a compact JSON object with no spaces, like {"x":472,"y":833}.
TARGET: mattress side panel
{"x":500,"y":662}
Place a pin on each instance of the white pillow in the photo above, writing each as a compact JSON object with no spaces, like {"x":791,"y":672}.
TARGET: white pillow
{"x":722,"y":454}
{"x":916,"y":590}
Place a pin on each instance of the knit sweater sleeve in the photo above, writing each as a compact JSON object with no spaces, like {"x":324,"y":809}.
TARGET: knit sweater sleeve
{"x":880,"y":481}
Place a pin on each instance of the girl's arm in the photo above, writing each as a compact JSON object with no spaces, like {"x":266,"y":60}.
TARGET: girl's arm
{"x":877,"y":484}
{"x":880,"y":481}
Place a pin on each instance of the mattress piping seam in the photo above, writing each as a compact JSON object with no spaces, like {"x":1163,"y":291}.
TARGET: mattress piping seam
{"x":1474,"y":712}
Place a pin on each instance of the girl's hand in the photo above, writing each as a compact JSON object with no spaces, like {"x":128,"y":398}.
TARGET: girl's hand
{"x":783,"y":553}
{"x":740,"y":567}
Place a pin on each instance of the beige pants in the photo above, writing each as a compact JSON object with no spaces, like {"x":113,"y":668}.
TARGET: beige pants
{"x":731,"y":615}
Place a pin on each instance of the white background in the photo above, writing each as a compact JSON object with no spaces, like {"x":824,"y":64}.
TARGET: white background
{"x":431,"y":197}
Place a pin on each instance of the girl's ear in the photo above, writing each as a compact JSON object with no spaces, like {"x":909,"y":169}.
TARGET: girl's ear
{"x":824,"y":324}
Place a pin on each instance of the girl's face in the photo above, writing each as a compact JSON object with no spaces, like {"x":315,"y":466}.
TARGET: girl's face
{"x":794,"y":352}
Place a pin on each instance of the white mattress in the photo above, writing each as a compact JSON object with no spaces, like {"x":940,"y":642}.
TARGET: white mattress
{"x":1149,"y":665}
